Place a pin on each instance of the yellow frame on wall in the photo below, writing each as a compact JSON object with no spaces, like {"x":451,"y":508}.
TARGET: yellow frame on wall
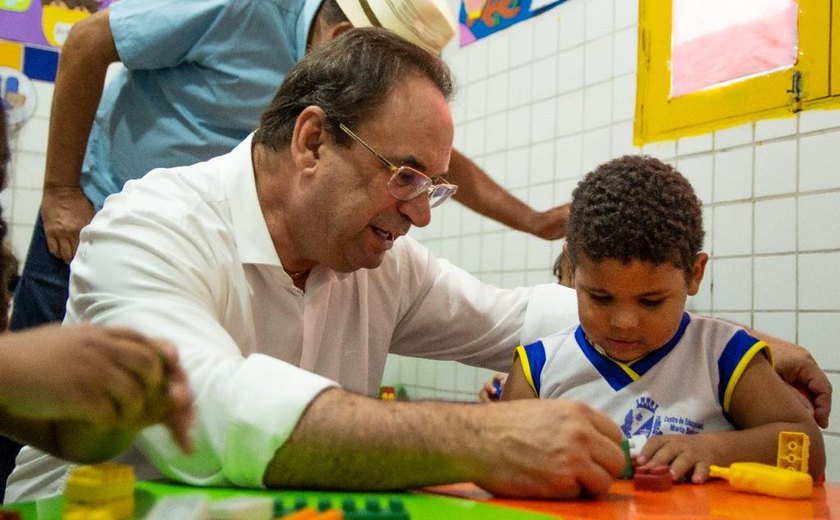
{"x":772,"y":95}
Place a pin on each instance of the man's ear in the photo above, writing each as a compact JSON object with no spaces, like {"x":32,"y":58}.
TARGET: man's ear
{"x":336,"y":30}
{"x":308,"y":136}
{"x":322,"y":31}
{"x":697,"y":273}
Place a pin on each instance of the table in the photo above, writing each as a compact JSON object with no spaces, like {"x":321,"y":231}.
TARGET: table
{"x":715,"y":499}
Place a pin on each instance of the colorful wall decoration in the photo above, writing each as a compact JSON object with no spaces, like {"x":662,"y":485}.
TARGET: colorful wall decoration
{"x":44,"y":22}
{"x":480,"y":18}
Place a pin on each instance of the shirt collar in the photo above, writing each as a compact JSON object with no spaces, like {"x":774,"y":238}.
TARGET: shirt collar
{"x":250,"y":231}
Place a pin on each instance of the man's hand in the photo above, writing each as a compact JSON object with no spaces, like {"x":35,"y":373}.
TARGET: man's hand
{"x":549,"y":449}
{"x":551,"y":224}
{"x":796,"y":366}
{"x":65,"y":211}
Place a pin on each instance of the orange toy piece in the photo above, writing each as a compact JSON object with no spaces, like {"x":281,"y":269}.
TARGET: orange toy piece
{"x":764,"y":479}
{"x":793,"y":451}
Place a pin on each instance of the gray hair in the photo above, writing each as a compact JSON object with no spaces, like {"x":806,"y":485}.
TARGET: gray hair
{"x":349,"y":78}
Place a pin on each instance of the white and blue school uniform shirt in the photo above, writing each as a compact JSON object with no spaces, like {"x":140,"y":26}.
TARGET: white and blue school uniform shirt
{"x":684,"y":387}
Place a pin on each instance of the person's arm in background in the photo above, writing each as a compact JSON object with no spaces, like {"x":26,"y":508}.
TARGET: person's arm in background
{"x":83,"y":392}
{"x":798,"y":368}
{"x":346,"y":441}
{"x":483,"y":195}
{"x":84,"y":60}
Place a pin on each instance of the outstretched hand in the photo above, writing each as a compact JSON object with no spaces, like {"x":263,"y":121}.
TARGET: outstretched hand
{"x":105,"y":377}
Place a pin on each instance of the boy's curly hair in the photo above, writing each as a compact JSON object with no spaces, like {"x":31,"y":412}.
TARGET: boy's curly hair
{"x":635,"y":207}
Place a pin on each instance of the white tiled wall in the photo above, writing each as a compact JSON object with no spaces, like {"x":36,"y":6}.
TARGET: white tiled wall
{"x":547,"y":100}
{"x":771,"y":190}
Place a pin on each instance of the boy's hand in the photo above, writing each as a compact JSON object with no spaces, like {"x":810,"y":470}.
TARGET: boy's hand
{"x":688,"y":456}
{"x":491,"y":391}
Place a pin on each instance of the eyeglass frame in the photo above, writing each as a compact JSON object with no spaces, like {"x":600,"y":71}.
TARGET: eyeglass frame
{"x":444,"y":189}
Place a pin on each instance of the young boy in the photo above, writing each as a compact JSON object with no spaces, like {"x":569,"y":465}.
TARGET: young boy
{"x":634,"y":240}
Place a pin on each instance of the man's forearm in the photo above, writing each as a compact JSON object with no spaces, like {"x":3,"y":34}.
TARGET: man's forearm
{"x":349,"y":441}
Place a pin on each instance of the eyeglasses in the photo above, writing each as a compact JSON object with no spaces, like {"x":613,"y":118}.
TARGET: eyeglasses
{"x":406,"y":182}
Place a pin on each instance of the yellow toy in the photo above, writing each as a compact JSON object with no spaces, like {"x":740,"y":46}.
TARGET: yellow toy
{"x":100,"y":491}
{"x":793,"y":451}
{"x":765,"y":479}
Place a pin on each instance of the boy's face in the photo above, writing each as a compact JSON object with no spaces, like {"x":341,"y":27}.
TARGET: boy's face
{"x":632,"y":309}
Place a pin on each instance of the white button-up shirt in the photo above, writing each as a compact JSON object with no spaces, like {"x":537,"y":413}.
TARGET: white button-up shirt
{"x":185,"y":254}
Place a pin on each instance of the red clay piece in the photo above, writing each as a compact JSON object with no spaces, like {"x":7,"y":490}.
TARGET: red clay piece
{"x":657,"y":478}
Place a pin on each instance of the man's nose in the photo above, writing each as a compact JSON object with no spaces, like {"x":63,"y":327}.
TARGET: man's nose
{"x":417,"y":210}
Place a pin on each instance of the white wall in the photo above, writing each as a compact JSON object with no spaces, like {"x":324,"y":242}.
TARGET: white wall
{"x":547,"y":100}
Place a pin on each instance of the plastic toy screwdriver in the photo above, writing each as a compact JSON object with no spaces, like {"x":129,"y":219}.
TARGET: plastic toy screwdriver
{"x":765,"y":479}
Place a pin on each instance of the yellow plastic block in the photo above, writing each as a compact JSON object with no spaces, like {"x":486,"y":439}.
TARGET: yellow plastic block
{"x":118,"y":509}
{"x":100,"y":482}
{"x":765,"y":479}
{"x":89,"y":513}
{"x":793,"y":451}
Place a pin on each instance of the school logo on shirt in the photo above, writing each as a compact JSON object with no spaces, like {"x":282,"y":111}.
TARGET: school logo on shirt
{"x":643,"y":419}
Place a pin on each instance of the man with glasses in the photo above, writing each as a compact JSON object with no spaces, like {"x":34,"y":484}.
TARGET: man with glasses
{"x":281,"y":270}
{"x":196,"y":76}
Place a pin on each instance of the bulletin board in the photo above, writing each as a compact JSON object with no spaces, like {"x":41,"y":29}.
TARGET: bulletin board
{"x":481,"y":18}
{"x":44,"y":22}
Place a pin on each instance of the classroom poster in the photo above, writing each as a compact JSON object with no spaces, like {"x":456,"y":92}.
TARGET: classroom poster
{"x":44,"y":22}
{"x":480,"y":18}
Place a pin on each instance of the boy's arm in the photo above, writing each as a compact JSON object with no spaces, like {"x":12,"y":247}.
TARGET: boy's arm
{"x":795,"y":365}
{"x":517,"y":386}
{"x":761,"y":406}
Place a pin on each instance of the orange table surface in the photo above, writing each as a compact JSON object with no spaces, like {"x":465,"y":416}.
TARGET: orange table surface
{"x":714,"y":499}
